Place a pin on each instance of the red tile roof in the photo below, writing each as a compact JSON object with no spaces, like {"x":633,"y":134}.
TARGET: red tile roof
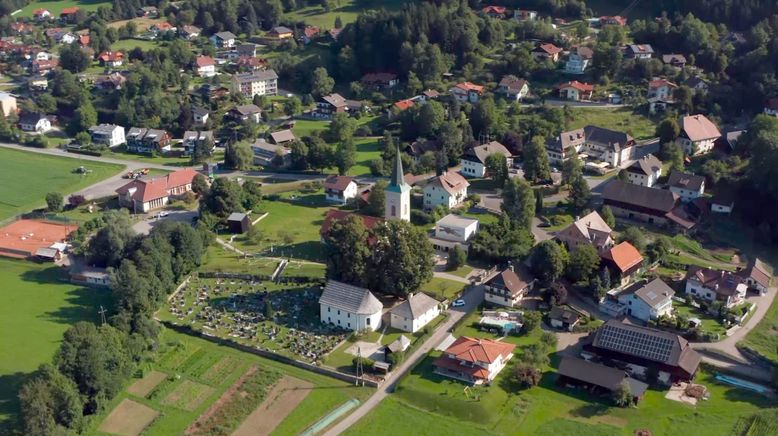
{"x":476,"y":372}
{"x":549,"y":48}
{"x":39,"y":12}
{"x":494,"y":9}
{"x":479,"y":350}
{"x":337,"y":183}
{"x":68,"y":11}
{"x":624,"y":256}
{"x":111,"y":56}
{"x":658,"y":83}
{"x":159,"y":187}
{"x":468,"y":86}
{"x":583,"y":87}
{"x":204,"y":61}
{"x":84,"y":40}
{"x":180,"y":178}
{"x":404,"y":104}
{"x":451,"y":182}
{"x":311,"y":31}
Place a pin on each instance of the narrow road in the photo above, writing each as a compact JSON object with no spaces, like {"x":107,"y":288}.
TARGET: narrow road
{"x":473,"y":298}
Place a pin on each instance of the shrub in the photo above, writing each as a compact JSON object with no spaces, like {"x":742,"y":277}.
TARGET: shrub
{"x":367,"y":364}
{"x":527,"y":375}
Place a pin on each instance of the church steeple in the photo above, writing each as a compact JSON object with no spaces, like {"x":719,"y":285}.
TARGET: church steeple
{"x":397,"y":195}
{"x":398,"y":175}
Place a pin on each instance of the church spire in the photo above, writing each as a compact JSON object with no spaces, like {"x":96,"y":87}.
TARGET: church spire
{"x":398,"y":176}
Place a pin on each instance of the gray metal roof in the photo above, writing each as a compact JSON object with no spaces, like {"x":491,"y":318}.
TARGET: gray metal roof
{"x":349,"y":298}
{"x":654,"y":292}
{"x":415,"y":306}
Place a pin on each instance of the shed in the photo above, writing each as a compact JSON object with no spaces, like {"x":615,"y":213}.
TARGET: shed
{"x":238,"y":222}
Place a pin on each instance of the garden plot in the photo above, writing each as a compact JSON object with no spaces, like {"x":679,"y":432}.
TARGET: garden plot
{"x":282,"y":399}
{"x":188,"y":395}
{"x":144,"y":386}
{"x":282,"y":318}
{"x":128,"y":418}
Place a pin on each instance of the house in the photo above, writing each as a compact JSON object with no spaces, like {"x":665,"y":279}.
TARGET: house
{"x":453,"y":231}
{"x":267,"y":154}
{"x":661,"y":88}
{"x":143,"y":195}
{"x":44,"y":67}
{"x":334,"y":33}
{"x":654,"y":206}
{"x":246,"y":112}
{"x":713,"y":285}
{"x":283,"y":137}
{"x":561,"y":147}
{"x":508,"y":287}
{"x":69,"y":15}
{"x":616,"y":20}
{"x":90,"y":276}
{"x":642,"y":347}
{"x":189,"y":32}
{"x":771,"y":107}
{"x":466,"y":92}
{"x":255,"y":83}
{"x":598,"y":379}
{"x":623,"y":260}
{"x":147,"y":141}
{"x":148,"y":11}
{"x":579,"y":60}
{"x":21,"y":28}
{"x":698,"y":134}
{"x":246,"y":50}
{"x":639,"y":51}
{"x":607,"y":145}
{"x":111,"y":59}
{"x":674,"y":60}
{"x":309,"y":34}
{"x":474,"y":159}
{"x":525,"y":15}
{"x":495,"y":11}
{"x":757,"y":275}
{"x":223,"y":39}
{"x":194,"y":139}
{"x":350,"y":307}
{"x":429,"y":94}
{"x":109,"y":135}
{"x":340,"y":189}
{"x":513,"y":88}
{"x":645,"y":171}
{"x":722,"y":203}
{"x":688,"y":186}
{"x":697,"y":84}
{"x":397,"y":195}
{"x":328,"y":105}
{"x":448,"y":189}
{"x":84,"y":40}
{"x":546,"y":52}
{"x":414,"y":313}
{"x":380,"y":81}
{"x":248,"y":63}
{"x":588,"y":230}
{"x":238,"y":223}
{"x":575,"y":91}
{"x":111,"y":82}
{"x":37,"y":84}
{"x":475,"y":361}
{"x":162,"y":28}
{"x":646,"y":300}
{"x":280,"y":32}
{"x":403,"y":105}
{"x":34,"y":122}
{"x":563,"y":319}
{"x":205,"y":66}
{"x":200,"y":115}
{"x":41,"y":14}
{"x":67,"y":38}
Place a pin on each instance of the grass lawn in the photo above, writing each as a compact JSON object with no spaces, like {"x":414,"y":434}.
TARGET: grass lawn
{"x":56,"y":6}
{"x":367,"y":150}
{"x":763,"y":338}
{"x":306,"y":127}
{"x":468,"y":327}
{"x":443,"y":287}
{"x":129,"y":44}
{"x":709,"y":323}
{"x":161,"y":160}
{"x":38,"y":306}
{"x":620,"y":119}
{"x":347,"y":10}
{"x":28,"y":176}
{"x":463,"y":271}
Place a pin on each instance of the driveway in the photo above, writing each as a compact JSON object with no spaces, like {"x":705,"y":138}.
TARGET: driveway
{"x":145,"y":225}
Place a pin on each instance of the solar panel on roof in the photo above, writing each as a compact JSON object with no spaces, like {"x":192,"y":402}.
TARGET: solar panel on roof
{"x":636,"y":343}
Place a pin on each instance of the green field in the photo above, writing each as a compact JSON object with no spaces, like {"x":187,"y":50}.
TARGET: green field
{"x":129,"y":44}
{"x":620,"y":119}
{"x":28,"y":176}
{"x":38,"y":306}
{"x":763,"y":338}
{"x":56,"y":6}
{"x":347,"y":10}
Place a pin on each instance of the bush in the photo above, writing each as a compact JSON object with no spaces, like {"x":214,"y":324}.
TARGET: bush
{"x":363,"y":131}
{"x":527,"y":375}
{"x":367,"y":364}
{"x":419,"y":217}
{"x":456,"y":258}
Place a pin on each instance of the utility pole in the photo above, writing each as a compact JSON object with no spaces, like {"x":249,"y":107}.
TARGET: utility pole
{"x":102,"y":312}
{"x":360,"y":370}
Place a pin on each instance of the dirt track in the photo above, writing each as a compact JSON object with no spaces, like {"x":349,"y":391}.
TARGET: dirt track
{"x":282,"y":399}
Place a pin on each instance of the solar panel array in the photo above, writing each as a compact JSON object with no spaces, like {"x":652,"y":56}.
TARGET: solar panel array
{"x":636,"y":343}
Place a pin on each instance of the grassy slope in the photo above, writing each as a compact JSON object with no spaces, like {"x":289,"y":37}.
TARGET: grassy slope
{"x":347,"y":10}
{"x":620,"y":119}
{"x":26,"y":177}
{"x":56,"y":6}
{"x":37,"y":307}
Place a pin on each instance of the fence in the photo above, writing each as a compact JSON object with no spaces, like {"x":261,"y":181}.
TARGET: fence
{"x":257,"y":277}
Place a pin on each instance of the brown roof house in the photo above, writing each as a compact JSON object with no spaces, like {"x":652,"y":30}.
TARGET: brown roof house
{"x":714,"y":285}
{"x":513,"y":88}
{"x":448,"y":189}
{"x":654,"y":206}
{"x":698,"y":134}
{"x":588,"y":230}
{"x":340,"y":189}
{"x":757,"y":275}
{"x":624,"y":261}
{"x":508,"y":287}
{"x":561,"y":318}
{"x":645,"y":171}
{"x":474,"y":159}
{"x":687,"y":186}
{"x":598,"y":379}
{"x":546,"y":51}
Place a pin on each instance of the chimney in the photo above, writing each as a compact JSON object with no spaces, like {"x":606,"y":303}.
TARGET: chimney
{"x":577,"y":218}
{"x":510,"y":267}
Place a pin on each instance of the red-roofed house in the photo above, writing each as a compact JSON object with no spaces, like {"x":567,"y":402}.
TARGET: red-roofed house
{"x":68,"y":14}
{"x":661,"y":88}
{"x":448,"y":189}
{"x":205,"y":66}
{"x":144,"y":195}
{"x":162,"y":28}
{"x":467,"y":92}
{"x":546,"y":51}
{"x":41,"y":14}
{"x":613,"y":21}
{"x":404,"y":104}
{"x":472,"y":360}
{"x":309,"y":34}
{"x":729,"y":288}
{"x":576,"y":91}
{"x":771,"y":107}
{"x":495,"y":11}
{"x":624,"y":260}
{"x":83,"y":40}
{"x":340,"y":189}
{"x":111,"y":58}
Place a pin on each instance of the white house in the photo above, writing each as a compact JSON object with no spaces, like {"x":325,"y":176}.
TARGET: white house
{"x":223,"y":39}
{"x":757,"y":275}
{"x":453,"y":230}
{"x":513,"y":88}
{"x":698,"y":134}
{"x":7,"y":104}
{"x":661,"y":88}
{"x":255,"y":83}
{"x":645,"y":171}
{"x":144,"y":195}
{"x":590,"y":229}
{"x":200,"y":116}
{"x":688,"y":186}
{"x":350,"y":307}
{"x":474,"y":360}
{"x":414,"y":313}
{"x":110,"y":135}
{"x":205,"y":66}
{"x":474,"y":159}
{"x":448,"y":189}
{"x":466,"y":92}
{"x":712,"y":285}
{"x":647,"y":301}
{"x":509,"y":286}
{"x":34,"y":122}
{"x":639,"y":51}
{"x":340,"y":189}
{"x":579,"y":60}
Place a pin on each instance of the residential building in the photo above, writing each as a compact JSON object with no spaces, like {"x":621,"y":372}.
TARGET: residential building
{"x":68,"y":15}
{"x":640,"y":348}
{"x":397,"y":203}
{"x":453,"y":230}
{"x":380,"y":80}
{"x":661,"y":88}
{"x":698,"y":134}
{"x":563,"y":319}
{"x":350,"y":307}
{"x":38,"y":84}
{"x":697,"y":84}
{"x":575,"y":91}
{"x":466,"y":92}
{"x":189,"y":32}
{"x":193,"y":139}
{"x":162,"y":28}
{"x":7,"y":104}
{"x":513,"y":88}
{"x":414,"y":313}
{"x":546,"y":52}
{"x":588,"y":230}
{"x":674,"y":60}
{"x":282,"y":137}
{"x":646,"y":300}
{"x":111,"y":82}
{"x":223,"y":39}
{"x":448,"y":189}
{"x":309,"y":34}
{"x":420,"y":147}
{"x":727,"y":287}
{"x":109,"y":135}
{"x":645,"y":171}
{"x":273,"y":155}
{"x":474,"y":159}
{"x":654,"y":206}
{"x":598,"y":379}
{"x":340,"y":189}
{"x":615,"y":20}
{"x":561,"y":147}
{"x":757,"y":275}
{"x":205,"y":66}
{"x":579,"y":60}
{"x":495,"y":11}
{"x":43,"y":67}
{"x":329,"y":105}
{"x":200,"y":115}
{"x":250,"y":63}
{"x":143,"y":195}
{"x":41,"y":14}
{"x":112,"y":59}
{"x":688,"y":186}
{"x":624,"y":261}
{"x":508,"y":287}
{"x":280,"y":32}
{"x":147,"y":141}
{"x":255,"y":83}
{"x":639,"y":51}
{"x":606,"y":145}
{"x":475,"y":361}
{"x":34,"y":122}
{"x":525,"y":15}
{"x":246,"y":112}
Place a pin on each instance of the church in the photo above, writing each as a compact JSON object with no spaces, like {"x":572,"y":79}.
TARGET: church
{"x":397,"y":205}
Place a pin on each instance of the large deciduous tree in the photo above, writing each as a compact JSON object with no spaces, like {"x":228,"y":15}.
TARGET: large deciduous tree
{"x":348,"y":253}
{"x":536,"y":167}
{"x":518,"y":202}
{"x":402,"y":258}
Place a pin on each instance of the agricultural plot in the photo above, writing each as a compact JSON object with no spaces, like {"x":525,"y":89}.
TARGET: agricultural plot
{"x":144,"y":386}
{"x":188,"y":395}
{"x":128,"y":419}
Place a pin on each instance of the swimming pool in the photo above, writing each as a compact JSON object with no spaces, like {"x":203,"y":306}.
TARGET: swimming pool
{"x":742,"y":383}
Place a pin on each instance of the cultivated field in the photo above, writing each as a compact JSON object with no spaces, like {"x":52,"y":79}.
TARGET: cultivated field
{"x":128,"y":419}
{"x":144,"y":386}
{"x":26,"y":178}
{"x":282,"y":399}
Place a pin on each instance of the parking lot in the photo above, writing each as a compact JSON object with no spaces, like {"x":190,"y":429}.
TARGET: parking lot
{"x":149,"y":220}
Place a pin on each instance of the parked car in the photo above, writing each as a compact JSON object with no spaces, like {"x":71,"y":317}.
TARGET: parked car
{"x":458,"y":303}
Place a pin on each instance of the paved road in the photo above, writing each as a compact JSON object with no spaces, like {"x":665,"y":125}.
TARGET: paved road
{"x":473,"y":298}
{"x":145,"y":225}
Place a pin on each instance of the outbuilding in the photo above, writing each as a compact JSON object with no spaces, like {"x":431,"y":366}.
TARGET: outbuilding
{"x":238,"y":222}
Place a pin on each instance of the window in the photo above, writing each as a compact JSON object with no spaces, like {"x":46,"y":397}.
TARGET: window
{"x":394,"y":211}
{"x":338,"y":312}
{"x":367,"y":321}
{"x":329,"y":309}
{"x":348,"y":315}
{"x":349,"y":325}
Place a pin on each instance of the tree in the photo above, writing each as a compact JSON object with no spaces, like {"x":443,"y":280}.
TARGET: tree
{"x":486,"y":119}
{"x":572,"y":168}
{"x":299,"y":155}
{"x":346,"y":156}
{"x":73,"y":58}
{"x":622,"y":396}
{"x":456,"y":258}
{"x":527,"y":375}
{"x":583,"y":263}
{"x":252,"y":195}
{"x":86,"y":117}
{"x":502,"y":241}
{"x":293,"y":106}
{"x":321,"y":83}
{"x":238,"y":156}
{"x":518,"y":202}
{"x":536,"y":167}
{"x":46,"y":103}
{"x":580,"y":194}
{"x":538,"y":202}
{"x":200,"y":184}
{"x":668,"y":130}
{"x":607,"y":216}
{"x":672,"y":153}
{"x":402,"y":258}
{"x":634,"y":236}
{"x":659,"y":249}
{"x":376,"y":199}
{"x":683,"y":98}
{"x":430,"y":118}
{"x":348,"y":252}
{"x":269,"y":312}
{"x":531,"y":320}
{"x":548,"y":260}
{"x":54,"y":201}
{"x":50,"y":403}
{"x":224,"y":198}
{"x":497,"y":168}
{"x":107,"y":247}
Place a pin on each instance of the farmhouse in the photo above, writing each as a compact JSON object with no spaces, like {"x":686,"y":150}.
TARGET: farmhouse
{"x":509,"y":286}
{"x":655,"y":206}
{"x":309,"y":34}
{"x":561,"y":318}
{"x":575,"y":91}
{"x":255,"y":83}
{"x":453,"y":230}
{"x":466,"y":92}
{"x":588,"y":230}
{"x":475,"y":361}
{"x":645,"y":171}
{"x":189,"y":32}
{"x":698,"y":134}
{"x":598,"y":379}
{"x":448,"y":189}
{"x":757,"y":275}
{"x":474,"y":159}
{"x":513,"y":88}
{"x":340,"y":189}
{"x":144,"y":195}
{"x":350,"y":307}
{"x":109,"y":135}
{"x":34,"y":122}
{"x":624,"y":260}
{"x":687,"y":186}
{"x":546,"y":52}
{"x":647,"y":300}
{"x":712,"y":285}
{"x":414,"y":313}
{"x":643,"y":347}
{"x":525,"y":15}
